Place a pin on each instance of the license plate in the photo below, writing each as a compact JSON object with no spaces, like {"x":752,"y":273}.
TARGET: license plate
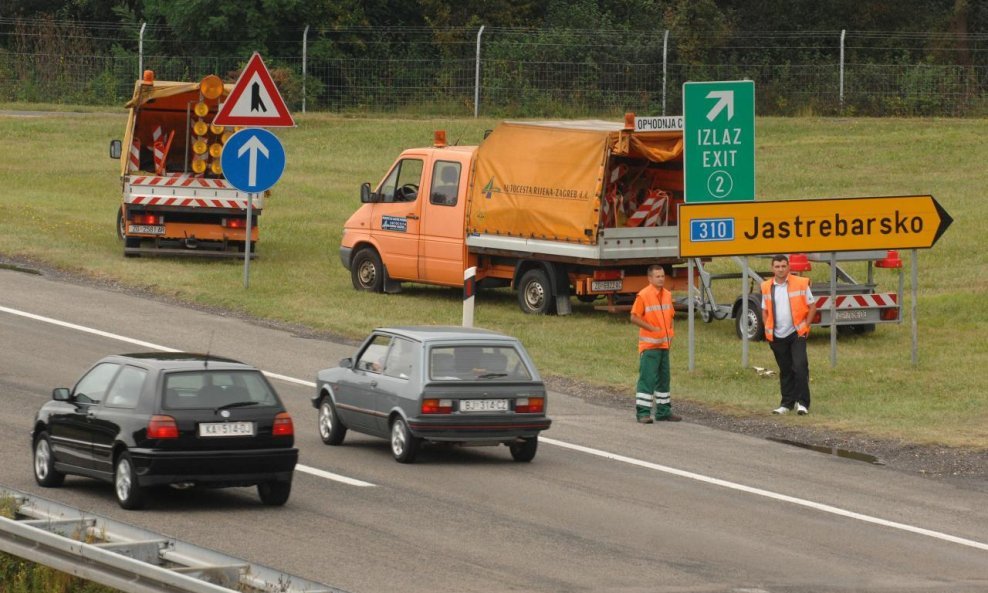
{"x":226,"y":429}
{"x":851,"y":315}
{"x":606,"y":285}
{"x":484,"y":405}
{"x":146,"y":229}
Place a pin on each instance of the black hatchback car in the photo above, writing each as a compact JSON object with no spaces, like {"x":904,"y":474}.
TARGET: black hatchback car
{"x":154,"y":419}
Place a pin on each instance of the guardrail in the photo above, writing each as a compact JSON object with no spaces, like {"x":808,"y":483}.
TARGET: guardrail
{"x":129,"y":558}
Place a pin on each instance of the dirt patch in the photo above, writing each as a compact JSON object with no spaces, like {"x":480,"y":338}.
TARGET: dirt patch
{"x":965,"y":467}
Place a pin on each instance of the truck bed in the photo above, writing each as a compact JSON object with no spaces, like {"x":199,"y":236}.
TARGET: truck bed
{"x":615,"y":246}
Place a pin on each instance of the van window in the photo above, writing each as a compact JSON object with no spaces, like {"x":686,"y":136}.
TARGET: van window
{"x":402,"y":184}
{"x":445,"y":183}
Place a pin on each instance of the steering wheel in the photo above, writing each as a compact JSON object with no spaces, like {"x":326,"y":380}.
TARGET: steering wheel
{"x":407,"y":192}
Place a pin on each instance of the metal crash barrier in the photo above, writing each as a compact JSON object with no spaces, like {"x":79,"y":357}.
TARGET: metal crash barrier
{"x":129,"y":558}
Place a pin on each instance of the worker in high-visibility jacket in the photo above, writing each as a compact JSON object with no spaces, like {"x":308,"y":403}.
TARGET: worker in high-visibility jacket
{"x":788,"y":308}
{"x":652,"y":313}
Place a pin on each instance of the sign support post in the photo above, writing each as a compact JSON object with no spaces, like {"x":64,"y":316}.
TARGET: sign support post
{"x":250,"y":214}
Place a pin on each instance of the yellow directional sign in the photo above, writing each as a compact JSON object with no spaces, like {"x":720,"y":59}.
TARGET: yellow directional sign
{"x":807,"y":226}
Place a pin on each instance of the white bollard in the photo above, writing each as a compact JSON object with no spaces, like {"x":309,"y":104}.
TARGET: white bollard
{"x":469,"y":291}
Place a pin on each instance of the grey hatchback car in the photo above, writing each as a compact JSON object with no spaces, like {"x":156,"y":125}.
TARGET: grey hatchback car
{"x":440,"y":384}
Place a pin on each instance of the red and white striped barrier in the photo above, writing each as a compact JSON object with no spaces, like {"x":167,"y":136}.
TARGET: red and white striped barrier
{"x":652,"y":210}
{"x":187,"y":202}
{"x":857,"y":301}
{"x":135,"y":155}
{"x":180,"y":180}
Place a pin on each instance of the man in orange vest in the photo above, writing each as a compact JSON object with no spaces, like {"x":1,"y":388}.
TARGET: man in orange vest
{"x":652,"y":313}
{"x":788,"y":308}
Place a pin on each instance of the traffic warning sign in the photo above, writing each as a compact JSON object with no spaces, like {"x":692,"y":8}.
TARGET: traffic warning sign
{"x":255,"y":100}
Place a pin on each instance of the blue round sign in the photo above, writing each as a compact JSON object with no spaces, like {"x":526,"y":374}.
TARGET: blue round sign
{"x":253,"y":160}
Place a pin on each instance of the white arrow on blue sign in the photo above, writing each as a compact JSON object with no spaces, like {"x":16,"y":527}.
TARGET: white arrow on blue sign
{"x":253,"y":160}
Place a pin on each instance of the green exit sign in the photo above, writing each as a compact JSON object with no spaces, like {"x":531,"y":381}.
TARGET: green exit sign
{"x":719,"y":141}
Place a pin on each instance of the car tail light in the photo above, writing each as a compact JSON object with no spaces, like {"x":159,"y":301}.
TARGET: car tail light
{"x":890,"y":314}
{"x":437,"y":406}
{"x":283,"y":425}
{"x":530,"y":405}
{"x":151,"y":219}
{"x":162,"y":427}
{"x":235,"y":223}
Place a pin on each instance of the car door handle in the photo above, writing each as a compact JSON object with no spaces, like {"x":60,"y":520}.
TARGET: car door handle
{"x":373,"y":383}
{"x":412,"y":217}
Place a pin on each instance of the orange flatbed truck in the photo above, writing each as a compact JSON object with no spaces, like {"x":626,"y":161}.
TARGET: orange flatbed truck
{"x":176,"y":200}
{"x":554,"y":209}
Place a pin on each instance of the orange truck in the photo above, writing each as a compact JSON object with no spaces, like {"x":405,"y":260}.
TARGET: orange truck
{"x":176,"y":200}
{"x":555,"y":209}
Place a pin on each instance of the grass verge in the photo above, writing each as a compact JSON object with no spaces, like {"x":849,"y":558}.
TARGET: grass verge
{"x":62,"y":192}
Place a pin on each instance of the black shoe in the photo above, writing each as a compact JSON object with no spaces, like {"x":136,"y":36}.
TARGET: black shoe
{"x":670,"y":418}
{"x":644,"y":420}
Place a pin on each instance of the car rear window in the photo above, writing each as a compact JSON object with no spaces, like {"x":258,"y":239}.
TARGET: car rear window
{"x":216,"y":389}
{"x":471,"y":363}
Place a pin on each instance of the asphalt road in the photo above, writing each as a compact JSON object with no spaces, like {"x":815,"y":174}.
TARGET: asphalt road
{"x":607,"y":505}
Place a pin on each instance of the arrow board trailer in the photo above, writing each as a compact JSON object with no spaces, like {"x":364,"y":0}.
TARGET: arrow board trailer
{"x":848,"y":304}
{"x":176,"y":198}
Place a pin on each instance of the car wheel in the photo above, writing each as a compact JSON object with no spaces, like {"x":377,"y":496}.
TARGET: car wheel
{"x":129,"y":493}
{"x":753,"y":325}
{"x":535,"y":293}
{"x":331,"y":429}
{"x":274,"y":494}
{"x":403,"y":445}
{"x":45,"y":473}
{"x":367,"y":271}
{"x":525,"y":450}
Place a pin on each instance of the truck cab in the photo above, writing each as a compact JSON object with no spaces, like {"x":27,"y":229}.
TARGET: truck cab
{"x":410,"y":227}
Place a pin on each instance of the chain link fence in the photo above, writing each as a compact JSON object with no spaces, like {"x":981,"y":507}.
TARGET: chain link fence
{"x":530,"y":73}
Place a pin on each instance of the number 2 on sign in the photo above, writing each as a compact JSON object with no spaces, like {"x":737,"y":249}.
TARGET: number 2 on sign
{"x":720,"y":184}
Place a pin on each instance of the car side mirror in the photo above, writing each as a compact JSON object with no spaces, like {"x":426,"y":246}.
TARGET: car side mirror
{"x":61,"y":394}
{"x":346,"y":363}
{"x":366,"y":195}
{"x":115,"y":149}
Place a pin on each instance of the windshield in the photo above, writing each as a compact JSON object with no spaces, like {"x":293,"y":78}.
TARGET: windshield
{"x":216,"y":389}
{"x":473,"y":363}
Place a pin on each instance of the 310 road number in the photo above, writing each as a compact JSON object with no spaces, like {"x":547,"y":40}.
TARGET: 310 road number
{"x":712,"y":229}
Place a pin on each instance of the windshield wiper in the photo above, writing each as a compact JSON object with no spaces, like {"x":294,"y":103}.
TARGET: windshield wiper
{"x":492,"y":375}
{"x":237,"y":405}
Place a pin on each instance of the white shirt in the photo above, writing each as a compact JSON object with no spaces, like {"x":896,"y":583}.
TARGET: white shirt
{"x":783,"y":311}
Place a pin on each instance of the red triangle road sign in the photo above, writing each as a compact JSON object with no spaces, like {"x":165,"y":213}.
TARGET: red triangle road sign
{"x":255,"y":100}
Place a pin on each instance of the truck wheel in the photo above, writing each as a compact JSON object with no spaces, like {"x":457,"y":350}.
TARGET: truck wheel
{"x":753,"y":325}
{"x":535,"y":293}
{"x":367,"y":271}
{"x":120,"y":224}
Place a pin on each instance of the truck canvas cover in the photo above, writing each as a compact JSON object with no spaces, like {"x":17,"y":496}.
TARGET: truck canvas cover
{"x":545,"y":180}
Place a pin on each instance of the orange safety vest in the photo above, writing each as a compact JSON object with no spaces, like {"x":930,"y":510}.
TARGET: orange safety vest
{"x":655,"y":307}
{"x":797,"y":287}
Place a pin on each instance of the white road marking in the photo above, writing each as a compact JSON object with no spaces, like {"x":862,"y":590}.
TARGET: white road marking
{"x":766,"y":493}
{"x":580,"y":448}
{"x":331,"y":476}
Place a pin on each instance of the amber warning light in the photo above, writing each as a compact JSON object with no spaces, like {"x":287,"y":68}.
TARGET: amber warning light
{"x":439,"y":138}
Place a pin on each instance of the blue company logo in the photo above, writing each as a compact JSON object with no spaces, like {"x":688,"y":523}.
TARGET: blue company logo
{"x":394,"y":223}
{"x":253,"y":160}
